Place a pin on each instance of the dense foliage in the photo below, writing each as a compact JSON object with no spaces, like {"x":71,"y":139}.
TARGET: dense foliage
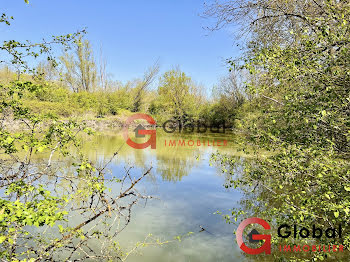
{"x":301,"y":85}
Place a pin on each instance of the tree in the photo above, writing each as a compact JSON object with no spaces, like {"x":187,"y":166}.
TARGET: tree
{"x":102,"y":71}
{"x":301,"y":116}
{"x":142,"y":86}
{"x":179,"y":96}
{"x":79,"y":68}
{"x":229,"y":96}
{"x":35,"y":221}
{"x":40,"y":195}
{"x":47,"y":71}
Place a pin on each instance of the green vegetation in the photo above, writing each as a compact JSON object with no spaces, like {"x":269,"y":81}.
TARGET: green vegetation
{"x":40,"y":195}
{"x":56,"y":201}
{"x":288,"y":95}
{"x":76,"y":86}
{"x":298,"y":59}
{"x":177,"y":96}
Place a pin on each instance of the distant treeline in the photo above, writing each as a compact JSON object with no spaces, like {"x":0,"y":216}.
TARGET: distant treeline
{"x":79,"y":86}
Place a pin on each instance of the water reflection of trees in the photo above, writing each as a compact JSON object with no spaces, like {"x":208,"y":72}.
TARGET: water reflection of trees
{"x":172,"y":163}
{"x":175,"y":162}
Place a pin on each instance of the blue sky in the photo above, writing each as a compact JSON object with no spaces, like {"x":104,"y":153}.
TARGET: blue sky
{"x":133,"y":34}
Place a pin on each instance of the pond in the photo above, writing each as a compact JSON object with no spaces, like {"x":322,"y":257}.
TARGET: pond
{"x":187,"y":192}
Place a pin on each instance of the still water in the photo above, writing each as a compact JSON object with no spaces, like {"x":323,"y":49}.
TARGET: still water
{"x":187,"y":191}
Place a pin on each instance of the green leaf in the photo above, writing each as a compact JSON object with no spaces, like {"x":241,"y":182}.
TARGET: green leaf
{"x":41,"y":149}
{"x":60,"y":227}
{"x":336,"y":214}
{"x":2,"y":239}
